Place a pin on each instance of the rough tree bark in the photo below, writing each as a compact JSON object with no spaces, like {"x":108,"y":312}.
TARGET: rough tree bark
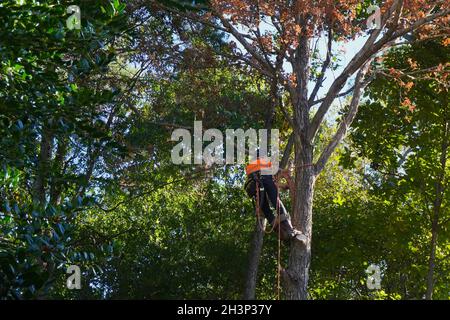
{"x":296,"y":277}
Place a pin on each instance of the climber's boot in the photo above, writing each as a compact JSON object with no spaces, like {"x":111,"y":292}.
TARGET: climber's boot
{"x":288,"y":232}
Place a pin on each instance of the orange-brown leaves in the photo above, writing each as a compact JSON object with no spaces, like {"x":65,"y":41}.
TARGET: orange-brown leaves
{"x":413,"y":64}
{"x":394,"y":73}
{"x":315,"y":16}
{"x":294,"y":17}
{"x":266,"y":42}
{"x":408,"y":86}
{"x":408,"y":104}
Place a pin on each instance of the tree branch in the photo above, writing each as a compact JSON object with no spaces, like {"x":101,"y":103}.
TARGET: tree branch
{"x":251,"y":50}
{"x":420,"y":23}
{"x":342,"y":94}
{"x":346,"y":121}
{"x":287,"y":152}
{"x":325,"y":66}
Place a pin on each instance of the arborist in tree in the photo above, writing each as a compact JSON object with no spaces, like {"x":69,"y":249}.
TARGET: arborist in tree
{"x":262,"y":187}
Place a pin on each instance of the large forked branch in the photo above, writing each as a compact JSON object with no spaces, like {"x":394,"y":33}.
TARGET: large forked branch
{"x":368,"y":50}
{"x":346,"y":122}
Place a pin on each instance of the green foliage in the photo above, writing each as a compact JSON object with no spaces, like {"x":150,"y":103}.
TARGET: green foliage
{"x":404,"y":145}
{"x":44,"y":98}
{"x":180,"y":238}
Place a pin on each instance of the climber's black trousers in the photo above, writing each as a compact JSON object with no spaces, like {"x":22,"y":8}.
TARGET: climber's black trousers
{"x":270,"y":198}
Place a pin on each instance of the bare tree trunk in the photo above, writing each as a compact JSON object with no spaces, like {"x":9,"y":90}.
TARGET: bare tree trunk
{"x":436,"y":213}
{"x":58,"y":164}
{"x":431,"y":262}
{"x":296,"y":276}
{"x":253,"y":265}
{"x":40,"y":192}
{"x":43,"y":167}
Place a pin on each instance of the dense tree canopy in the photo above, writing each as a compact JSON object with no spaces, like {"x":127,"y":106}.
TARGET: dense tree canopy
{"x":86,"y":176}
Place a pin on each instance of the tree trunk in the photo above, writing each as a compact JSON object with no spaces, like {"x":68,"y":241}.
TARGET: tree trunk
{"x":45,"y":154}
{"x":254,"y":258}
{"x":58,"y":165}
{"x":431,"y":263}
{"x":295,"y":277}
{"x":436,"y":211}
{"x":40,"y":194}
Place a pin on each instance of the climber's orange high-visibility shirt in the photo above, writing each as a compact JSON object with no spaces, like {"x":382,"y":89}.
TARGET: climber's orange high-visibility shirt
{"x":258,"y":165}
